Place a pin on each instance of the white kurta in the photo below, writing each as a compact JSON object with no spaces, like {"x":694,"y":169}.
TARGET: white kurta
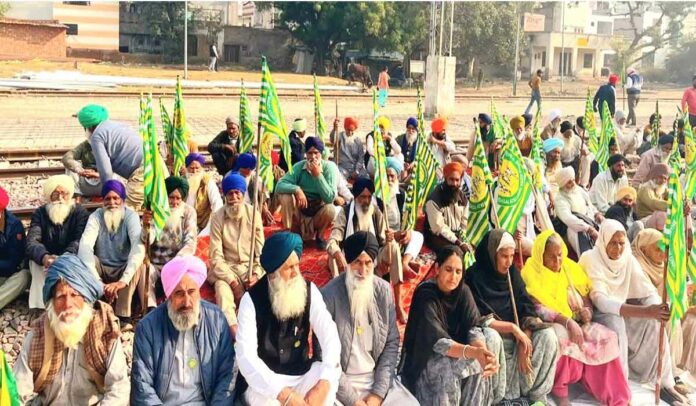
{"x":264,"y":384}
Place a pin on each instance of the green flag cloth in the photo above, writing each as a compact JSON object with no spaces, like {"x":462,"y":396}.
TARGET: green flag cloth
{"x":480,"y":200}
{"x":319,"y":117}
{"x":602,"y":155}
{"x":690,"y":158}
{"x":270,"y":115}
{"x":245,"y":125}
{"x":156,"y":199}
{"x":181,"y":133}
{"x":590,"y":125}
{"x":537,"y":154}
{"x":167,"y":127}
{"x":674,"y":238}
{"x":381,"y":182}
{"x":655,"y":126}
{"x":8,"y":385}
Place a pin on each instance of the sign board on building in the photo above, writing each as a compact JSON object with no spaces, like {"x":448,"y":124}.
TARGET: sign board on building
{"x":533,"y":22}
{"x":583,"y":41}
{"x":417,"y":66}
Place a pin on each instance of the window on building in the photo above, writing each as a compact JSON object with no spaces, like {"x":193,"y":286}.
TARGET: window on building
{"x":77,"y":3}
{"x":192,"y":45}
{"x":587,"y":61}
{"x":543,"y":59}
{"x":72,"y":29}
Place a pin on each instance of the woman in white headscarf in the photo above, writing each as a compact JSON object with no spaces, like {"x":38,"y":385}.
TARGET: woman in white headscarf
{"x":628,"y":303}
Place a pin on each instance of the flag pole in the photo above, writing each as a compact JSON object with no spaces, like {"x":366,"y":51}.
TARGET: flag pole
{"x":337,"y":150}
{"x":255,"y":200}
{"x":146,"y":262}
{"x":661,"y":346}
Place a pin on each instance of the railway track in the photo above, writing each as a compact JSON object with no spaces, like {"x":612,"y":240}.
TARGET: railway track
{"x":24,"y":213}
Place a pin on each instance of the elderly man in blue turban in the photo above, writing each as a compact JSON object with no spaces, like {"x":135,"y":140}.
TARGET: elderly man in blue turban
{"x":73,"y":354}
{"x":233,"y":243}
{"x":183,"y":352}
{"x":408,"y":142}
{"x":111,"y":248}
{"x":117,"y":150}
{"x":278,"y":318}
{"x":552,"y":148}
{"x":204,"y":194}
{"x":306,"y":194}
{"x":246,"y":166}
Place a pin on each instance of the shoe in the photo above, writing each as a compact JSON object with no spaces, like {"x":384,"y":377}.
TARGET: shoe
{"x":126,"y":324}
{"x":671,"y":398}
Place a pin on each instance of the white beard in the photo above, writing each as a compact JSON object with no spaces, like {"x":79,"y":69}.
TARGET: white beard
{"x":71,"y":331}
{"x":577,"y":200}
{"x":113,"y":218}
{"x":184,"y":320}
{"x":658,"y":189}
{"x":234,"y":211}
{"x":360,"y":293}
{"x":411,"y":138}
{"x":364,"y":216}
{"x":175,"y":218}
{"x":287,"y":298}
{"x":194,"y":181}
{"x":59,"y":211}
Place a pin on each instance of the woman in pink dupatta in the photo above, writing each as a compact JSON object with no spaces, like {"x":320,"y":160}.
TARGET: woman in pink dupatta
{"x":589,"y":351}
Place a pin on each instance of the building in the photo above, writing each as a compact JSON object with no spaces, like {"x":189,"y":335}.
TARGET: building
{"x":575,"y":41}
{"x":92,"y":27}
{"x":26,"y":39}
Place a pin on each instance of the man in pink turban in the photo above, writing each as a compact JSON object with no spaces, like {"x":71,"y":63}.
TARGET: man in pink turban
{"x":183,"y":352}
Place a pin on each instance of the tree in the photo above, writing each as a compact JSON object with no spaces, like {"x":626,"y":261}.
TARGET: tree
{"x":4,"y":7}
{"x":165,"y":22}
{"x":644,"y":40}
{"x":486,"y":33}
{"x":680,"y":63}
{"x":322,"y":26}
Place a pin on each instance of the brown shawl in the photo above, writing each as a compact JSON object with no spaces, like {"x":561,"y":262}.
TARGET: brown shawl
{"x":203,"y":209}
{"x":103,"y":330}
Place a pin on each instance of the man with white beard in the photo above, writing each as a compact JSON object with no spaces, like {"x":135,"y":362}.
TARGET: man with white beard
{"x":205,"y":196}
{"x":73,"y":354}
{"x":574,"y":208}
{"x":56,"y":228}
{"x":363,"y":309}
{"x":231,"y":239}
{"x":178,"y":237}
{"x":652,"y":195}
{"x":652,"y":157}
{"x":351,"y":151}
{"x":111,"y":248}
{"x":408,"y":142}
{"x":276,"y":318}
{"x":183,"y":352}
{"x":246,"y":166}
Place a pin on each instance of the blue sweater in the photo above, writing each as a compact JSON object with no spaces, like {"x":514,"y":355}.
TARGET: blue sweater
{"x":117,"y":149}
{"x":153,"y":356}
{"x":12,"y":242}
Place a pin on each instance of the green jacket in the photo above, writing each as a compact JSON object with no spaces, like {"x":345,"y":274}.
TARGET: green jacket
{"x":322,"y":187}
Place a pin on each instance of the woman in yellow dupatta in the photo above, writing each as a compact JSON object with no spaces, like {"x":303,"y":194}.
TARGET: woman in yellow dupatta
{"x":589,"y":351}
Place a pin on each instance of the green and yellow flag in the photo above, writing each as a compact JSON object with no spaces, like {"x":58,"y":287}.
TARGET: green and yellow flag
{"x":381,"y":181}
{"x":655,"y":125}
{"x":608,"y":132}
{"x":423,"y":176}
{"x":181,"y":132}
{"x":674,"y":238}
{"x":265,"y":162}
{"x":167,"y":127}
{"x":590,"y":124}
{"x":690,"y":158}
{"x":246,"y":128}
{"x":156,"y":199}
{"x":8,"y":385}
{"x":319,"y":117}
{"x":480,"y":200}
{"x":270,"y":116}
{"x":514,"y":182}
{"x":537,"y":154}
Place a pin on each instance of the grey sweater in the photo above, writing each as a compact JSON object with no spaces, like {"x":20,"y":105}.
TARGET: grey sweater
{"x":117,"y":148}
{"x":385,"y":345}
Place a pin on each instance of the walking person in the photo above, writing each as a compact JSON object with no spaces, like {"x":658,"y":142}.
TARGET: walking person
{"x":535,"y":84}
{"x":213,"y":58}
{"x":633,"y":85}
{"x":383,"y":86}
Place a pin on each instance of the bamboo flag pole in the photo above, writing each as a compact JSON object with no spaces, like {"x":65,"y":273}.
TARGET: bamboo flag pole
{"x":255,"y":201}
{"x":661,"y":346}
{"x":337,"y":139}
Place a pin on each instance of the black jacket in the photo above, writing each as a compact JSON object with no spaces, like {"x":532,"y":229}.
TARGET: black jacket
{"x":606,"y":93}
{"x":44,"y":237}
{"x":297,"y":152}
{"x":222,"y":158}
{"x":12,"y":242}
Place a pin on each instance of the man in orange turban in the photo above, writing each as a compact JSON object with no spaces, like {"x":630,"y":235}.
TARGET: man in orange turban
{"x":445,"y":218}
{"x":441,"y":145}
{"x":349,"y":148}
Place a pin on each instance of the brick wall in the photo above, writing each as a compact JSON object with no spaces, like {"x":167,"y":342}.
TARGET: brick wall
{"x":31,"y":41}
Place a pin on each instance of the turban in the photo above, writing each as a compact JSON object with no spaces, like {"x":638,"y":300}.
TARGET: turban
{"x":384,"y":122}
{"x":350,"y":123}
{"x":4,"y":199}
{"x":361,"y":184}
{"x":566,"y":126}
{"x":485,"y":118}
{"x":659,"y":170}
{"x":653,"y":116}
{"x":234,"y":181}
{"x":278,"y":248}
{"x":174,"y":270}
{"x":619,"y":115}
{"x":551,"y":144}
{"x":114,"y":185}
{"x":359,"y":242}
{"x":299,"y":125}
{"x":630,"y":70}
{"x":245,"y":161}
{"x":70,"y":268}
{"x":453,"y":167}
{"x":517,"y":122}
{"x":527,"y":118}
{"x":173,"y":183}
{"x":554,"y":114}
{"x":665,"y":139}
{"x":395,"y":164}
{"x":461,"y":159}
{"x":438,"y":125}
{"x":54,"y":181}
{"x":564,"y":176}
{"x":580,"y":122}
{"x":314,"y":142}
{"x":615,"y":159}
{"x":412,"y":122}
{"x":657,"y":220}
{"x":194,"y":156}
{"x":92,"y":115}
{"x":230,"y":119}
{"x":613,"y":78}
{"x":625,"y":191}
